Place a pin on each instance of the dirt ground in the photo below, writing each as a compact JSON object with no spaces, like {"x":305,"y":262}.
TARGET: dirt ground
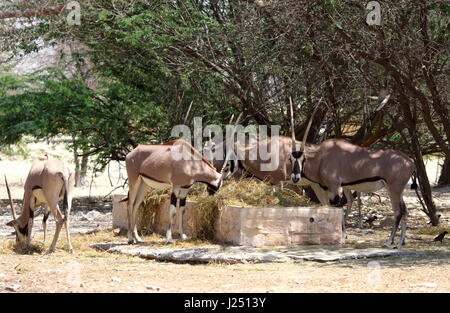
{"x":89,"y":270}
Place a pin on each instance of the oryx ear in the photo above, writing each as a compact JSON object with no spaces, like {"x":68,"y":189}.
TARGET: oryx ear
{"x":12,"y":223}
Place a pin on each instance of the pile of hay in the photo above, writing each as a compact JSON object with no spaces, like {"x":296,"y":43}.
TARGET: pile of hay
{"x":149,"y":208}
{"x":244,"y":192}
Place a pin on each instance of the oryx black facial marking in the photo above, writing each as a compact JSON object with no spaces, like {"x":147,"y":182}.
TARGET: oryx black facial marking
{"x":23,"y":230}
{"x":336,"y":200}
{"x":210,"y":187}
{"x":296,"y":170}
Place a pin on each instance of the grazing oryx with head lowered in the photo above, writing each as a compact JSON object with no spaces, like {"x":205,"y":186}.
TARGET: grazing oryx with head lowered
{"x":336,"y":163}
{"x":48,"y":182}
{"x":175,"y":163}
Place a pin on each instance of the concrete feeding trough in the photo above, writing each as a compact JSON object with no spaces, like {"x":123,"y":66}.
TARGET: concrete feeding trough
{"x":254,"y":226}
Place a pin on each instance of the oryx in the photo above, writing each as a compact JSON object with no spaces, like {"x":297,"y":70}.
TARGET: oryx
{"x":173,"y":164}
{"x":336,"y":163}
{"x":250,"y":164}
{"x":47,"y":182}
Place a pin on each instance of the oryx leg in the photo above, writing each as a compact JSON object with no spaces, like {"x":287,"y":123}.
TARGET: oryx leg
{"x":398,"y":214}
{"x":44,"y":220}
{"x":321,"y":194}
{"x":404,"y":222}
{"x":59,"y":223}
{"x":131,"y":197}
{"x":172,"y":212}
{"x":360,"y":218}
{"x":140,"y":194}
{"x":349,"y":196}
{"x":333,"y":193}
{"x":67,"y":222}
{"x":33,"y":201}
{"x":182,"y":203}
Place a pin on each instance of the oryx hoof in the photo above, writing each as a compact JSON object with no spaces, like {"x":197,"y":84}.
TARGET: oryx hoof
{"x":50,"y":251}
{"x":71,"y":251}
{"x":387,"y":245}
{"x":169,"y":242}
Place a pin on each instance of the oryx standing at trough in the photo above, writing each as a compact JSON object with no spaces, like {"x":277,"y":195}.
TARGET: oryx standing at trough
{"x":47,"y":182}
{"x":253,"y":167}
{"x":174,"y":164}
{"x":336,"y":164}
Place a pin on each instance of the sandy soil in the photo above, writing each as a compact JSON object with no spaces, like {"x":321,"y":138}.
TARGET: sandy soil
{"x":89,"y":270}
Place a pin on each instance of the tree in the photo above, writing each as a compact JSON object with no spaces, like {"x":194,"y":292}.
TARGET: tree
{"x":228,"y":56}
{"x":444,"y":178}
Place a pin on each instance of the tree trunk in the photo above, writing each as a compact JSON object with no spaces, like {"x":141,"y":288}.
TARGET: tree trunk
{"x":444,"y":178}
{"x":76,"y":160}
{"x":80,"y":166}
{"x":424,"y":183}
{"x":80,"y":170}
{"x":83,"y":170}
{"x":425,"y":188}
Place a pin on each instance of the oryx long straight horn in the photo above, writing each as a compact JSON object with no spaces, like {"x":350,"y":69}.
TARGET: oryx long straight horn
{"x":305,"y":136}
{"x":13,"y":212}
{"x":230,"y":151}
{"x":292,"y":124}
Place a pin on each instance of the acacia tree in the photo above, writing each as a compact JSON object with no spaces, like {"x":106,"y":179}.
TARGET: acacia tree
{"x":103,"y":123}
{"x":228,"y":56}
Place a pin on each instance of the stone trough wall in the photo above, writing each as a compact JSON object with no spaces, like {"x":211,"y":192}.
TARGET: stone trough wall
{"x":255,"y":226}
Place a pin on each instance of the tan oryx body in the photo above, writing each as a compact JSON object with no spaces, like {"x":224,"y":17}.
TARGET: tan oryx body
{"x":281,"y":157}
{"x":247,"y":160}
{"x":252,"y":167}
{"x":47,"y":182}
{"x":174,"y":164}
{"x":336,"y":163}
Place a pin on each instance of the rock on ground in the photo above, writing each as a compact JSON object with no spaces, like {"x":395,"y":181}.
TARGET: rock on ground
{"x":233,"y":255}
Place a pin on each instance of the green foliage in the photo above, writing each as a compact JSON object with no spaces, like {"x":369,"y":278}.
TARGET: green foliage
{"x":156,"y":57}
{"x":107,"y":122}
